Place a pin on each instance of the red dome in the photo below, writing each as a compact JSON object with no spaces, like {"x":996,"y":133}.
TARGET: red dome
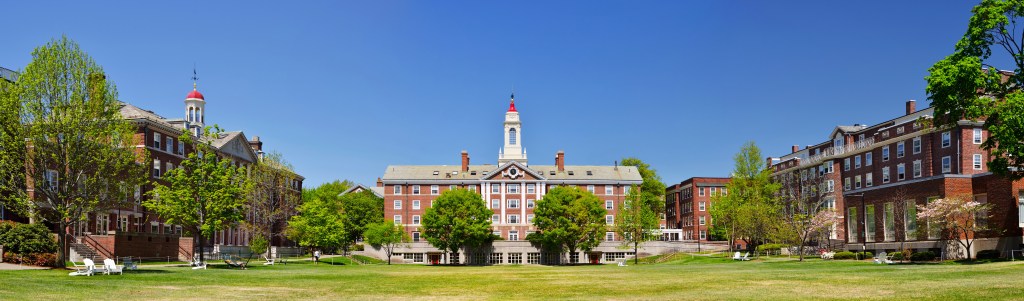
{"x":195,"y":94}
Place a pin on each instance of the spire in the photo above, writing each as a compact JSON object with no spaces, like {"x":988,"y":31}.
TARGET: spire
{"x":512,"y":102}
{"x":195,"y":77}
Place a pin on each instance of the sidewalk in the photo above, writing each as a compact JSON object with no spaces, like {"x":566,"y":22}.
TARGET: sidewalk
{"x":13,"y":267}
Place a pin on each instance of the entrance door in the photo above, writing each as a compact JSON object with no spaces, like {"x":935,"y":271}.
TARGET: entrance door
{"x":435,"y":258}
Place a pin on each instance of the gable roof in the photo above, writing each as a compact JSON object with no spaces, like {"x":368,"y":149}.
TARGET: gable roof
{"x":497,"y":171}
{"x":452,"y":174}
{"x":378,"y":191}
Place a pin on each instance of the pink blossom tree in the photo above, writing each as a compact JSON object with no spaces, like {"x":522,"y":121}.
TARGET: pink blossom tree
{"x":958,"y":217}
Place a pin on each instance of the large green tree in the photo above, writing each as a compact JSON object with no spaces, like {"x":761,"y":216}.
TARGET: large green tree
{"x":457,"y":220}
{"x":634,"y":223}
{"x":204,"y":194}
{"x":386,"y":236}
{"x":320,"y":222}
{"x":569,"y":219}
{"x":652,"y":191}
{"x":968,"y":84}
{"x":750,"y":209}
{"x":272,"y":199}
{"x":77,"y":151}
{"x":361,"y":210}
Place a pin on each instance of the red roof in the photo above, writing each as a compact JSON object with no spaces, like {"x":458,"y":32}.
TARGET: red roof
{"x":512,"y":106}
{"x":195,"y":94}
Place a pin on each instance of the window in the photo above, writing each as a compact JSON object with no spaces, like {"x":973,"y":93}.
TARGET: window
{"x":977,"y":161}
{"x":901,"y":172}
{"x":885,"y":174}
{"x":512,"y":188}
{"x":416,"y":236}
{"x":977,"y":136}
{"x":590,"y":188}
{"x":513,"y":204}
{"x":703,"y":234}
{"x":156,"y":140}
{"x":416,"y":204}
{"x":181,"y":148}
{"x":397,"y":189}
{"x":398,"y":219}
{"x":889,"y":222}
{"x":856,"y":182}
{"x":701,"y":207}
{"x":512,"y":136}
{"x":899,"y":149}
{"x":608,"y":189}
{"x":453,"y":187}
{"x":910,"y":221}
{"x":846,"y":164}
{"x":435,"y":190}
{"x":609,"y":236}
{"x":495,"y":204}
{"x":867,"y":159}
{"x":869,"y":223}
{"x":934,"y":229}
{"x":946,"y":168}
{"x":625,"y":190}
{"x":846,"y":183}
{"x":867,"y":180}
{"x":398,"y":204}
{"x":851,"y":224}
{"x":495,"y":188}
{"x":700,"y":191}
{"x":529,"y":218}
{"x":472,"y":188}
{"x":170,"y":144}
{"x":531,"y":188}
{"x":533,"y":258}
{"x":609,"y":219}
{"x":701,"y":220}
{"x":516,"y":257}
{"x":945,"y":139}
{"x":917,"y":168}
{"x":495,"y":218}
{"x":831,"y":186}
{"x":513,"y":219}
{"x":415,"y":219}
{"x":415,"y":189}
{"x":856,"y":161}
{"x":916,"y":145}
{"x":885,"y":153}
{"x":530,"y":203}
{"x":828,"y":166}
{"x":156,"y":168}
{"x":609,"y":205}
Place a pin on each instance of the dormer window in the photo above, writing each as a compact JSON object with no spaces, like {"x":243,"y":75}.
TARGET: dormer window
{"x":552,"y":173}
{"x":571,"y":173}
{"x":590,"y":173}
{"x":512,"y":136}
{"x":436,"y":172}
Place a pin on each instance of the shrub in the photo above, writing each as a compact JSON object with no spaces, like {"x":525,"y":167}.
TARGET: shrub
{"x":988,"y":254}
{"x":358,"y":247}
{"x":26,"y":238}
{"x":845,"y":255}
{"x":922,"y":256}
{"x":865,"y":255}
{"x":37,"y":259}
{"x":897,"y":256}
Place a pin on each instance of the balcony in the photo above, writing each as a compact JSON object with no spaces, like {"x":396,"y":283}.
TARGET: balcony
{"x":833,"y":152}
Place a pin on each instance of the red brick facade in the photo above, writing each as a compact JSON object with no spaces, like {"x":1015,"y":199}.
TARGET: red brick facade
{"x":688,"y":206}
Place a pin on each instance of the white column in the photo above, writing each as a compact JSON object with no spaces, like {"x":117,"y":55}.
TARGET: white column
{"x":522,"y":202}
{"x":501,"y":218}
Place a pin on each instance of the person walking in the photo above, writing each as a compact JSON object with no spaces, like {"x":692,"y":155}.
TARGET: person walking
{"x":316,"y":256}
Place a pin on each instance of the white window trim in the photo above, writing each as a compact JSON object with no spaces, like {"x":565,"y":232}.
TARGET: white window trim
{"x":978,"y":161}
{"x":947,"y":167}
{"x":947,"y":139}
{"x":979,"y":136}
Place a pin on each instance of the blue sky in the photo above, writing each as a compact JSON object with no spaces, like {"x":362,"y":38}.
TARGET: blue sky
{"x":344,"y":89}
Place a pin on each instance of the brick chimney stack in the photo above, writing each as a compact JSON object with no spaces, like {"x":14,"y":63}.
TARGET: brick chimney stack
{"x":769,"y":162}
{"x":560,"y":160}
{"x":465,"y":161}
{"x":911,"y":106}
{"x":380,"y":183}
{"x":796,"y":148}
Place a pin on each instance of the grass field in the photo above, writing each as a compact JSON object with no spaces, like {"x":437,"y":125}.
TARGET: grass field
{"x":681,"y":278}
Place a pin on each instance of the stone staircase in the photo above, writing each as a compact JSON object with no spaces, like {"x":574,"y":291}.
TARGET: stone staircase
{"x":84,"y":251}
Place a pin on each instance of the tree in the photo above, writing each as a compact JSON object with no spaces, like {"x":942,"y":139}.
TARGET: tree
{"x":258,"y":244}
{"x":361,"y":210}
{"x":458,"y":219}
{"x":960,"y":218}
{"x":271,"y":199}
{"x":204,"y":194}
{"x":78,"y":153}
{"x":804,"y":206}
{"x":568,"y":219}
{"x":968,"y":84}
{"x":12,"y":150}
{"x":652,"y":190}
{"x":386,"y":236}
{"x":749,"y":210}
{"x":634,"y":222}
{"x":320,"y":222}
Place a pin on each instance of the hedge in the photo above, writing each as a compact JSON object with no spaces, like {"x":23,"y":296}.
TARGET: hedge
{"x":988,"y":254}
{"x":845,"y":255}
{"x":922,"y":256}
{"x":26,"y":238}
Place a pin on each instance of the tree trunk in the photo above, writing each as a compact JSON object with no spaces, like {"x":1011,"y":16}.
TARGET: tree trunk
{"x":62,"y":252}
{"x":202,"y":245}
{"x":636,"y":254}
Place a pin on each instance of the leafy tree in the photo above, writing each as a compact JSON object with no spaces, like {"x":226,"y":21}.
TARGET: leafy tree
{"x":258,"y":244}
{"x":77,"y":152}
{"x":320,"y":222}
{"x":967,"y":85}
{"x":634,"y":222}
{"x":386,"y":236}
{"x":12,"y":150}
{"x":750,"y":210}
{"x":803,"y":205}
{"x":458,"y":219}
{"x":361,"y":210}
{"x":960,"y":218}
{"x":568,"y":219}
{"x":204,"y":194}
{"x":653,"y":189}
{"x":271,"y":199}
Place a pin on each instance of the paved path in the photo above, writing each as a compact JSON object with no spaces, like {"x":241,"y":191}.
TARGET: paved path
{"x":10,"y":267}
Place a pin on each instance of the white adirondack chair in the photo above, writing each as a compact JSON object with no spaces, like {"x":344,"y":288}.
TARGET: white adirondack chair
{"x":110,"y":267}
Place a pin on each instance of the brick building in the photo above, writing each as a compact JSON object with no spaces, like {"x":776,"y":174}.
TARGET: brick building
{"x":688,"y":206}
{"x":876,"y":175}
{"x":510,"y":189}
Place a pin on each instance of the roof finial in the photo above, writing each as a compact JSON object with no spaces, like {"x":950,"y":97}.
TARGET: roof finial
{"x":195,"y":77}
{"x":512,"y":100}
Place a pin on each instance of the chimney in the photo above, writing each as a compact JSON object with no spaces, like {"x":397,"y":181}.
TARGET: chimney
{"x":911,"y":106}
{"x":465,"y":161}
{"x":256,"y":144}
{"x":769,"y":163}
{"x":380,"y":183}
{"x":796,"y":148}
{"x":560,"y":160}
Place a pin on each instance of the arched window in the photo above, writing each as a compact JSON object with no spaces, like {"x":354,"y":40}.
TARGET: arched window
{"x":191,"y":115}
{"x":512,"y":136}
{"x":199,"y":115}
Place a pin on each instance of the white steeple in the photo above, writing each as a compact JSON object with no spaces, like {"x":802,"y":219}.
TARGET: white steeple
{"x":195,"y":108}
{"x":513,"y":150}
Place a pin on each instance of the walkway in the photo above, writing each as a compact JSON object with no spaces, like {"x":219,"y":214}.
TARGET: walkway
{"x":11,"y":267}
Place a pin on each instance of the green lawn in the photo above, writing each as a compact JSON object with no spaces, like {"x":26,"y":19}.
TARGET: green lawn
{"x":680,"y":278}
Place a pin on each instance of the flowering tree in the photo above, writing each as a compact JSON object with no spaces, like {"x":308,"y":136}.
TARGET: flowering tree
{"x":960,"y":217}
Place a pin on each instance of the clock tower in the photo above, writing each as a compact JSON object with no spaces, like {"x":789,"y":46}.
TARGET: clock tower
{"x":513,"y":149}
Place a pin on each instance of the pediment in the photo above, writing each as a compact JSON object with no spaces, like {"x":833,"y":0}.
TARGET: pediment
{"x":513,"y":171}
